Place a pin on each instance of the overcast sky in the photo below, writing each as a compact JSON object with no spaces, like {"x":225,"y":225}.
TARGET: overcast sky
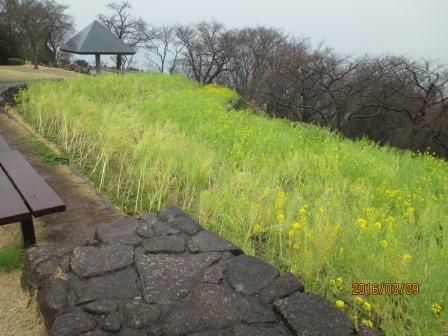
{"x":416,"y":28}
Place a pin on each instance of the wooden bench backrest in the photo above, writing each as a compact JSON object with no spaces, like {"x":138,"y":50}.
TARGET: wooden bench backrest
{"x":36,"y":193}
{"x":3,"y":145}
{"x":12,"y":207}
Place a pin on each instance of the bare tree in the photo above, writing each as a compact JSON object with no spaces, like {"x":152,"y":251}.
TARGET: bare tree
{"x":60,"y":27}
{"x":131,"y":30}
{"x":163,"y":49}
{"x":207,"y":49}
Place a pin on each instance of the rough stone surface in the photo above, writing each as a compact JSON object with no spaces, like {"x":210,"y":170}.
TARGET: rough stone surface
{"x":365,"y":331}
{"x":209,"y":307}
{"x":89,"y":261}
{"x":118,"y":285}
{"x":101,"y":307}
{"x":112,"y":323}
{"x":140,"y":315}
{"x":250,"y":330}
{"x":179,"y":220}
{"x":72,"y":324}
{"x":249,"y":274}
{"x":122,"y":231}
{"x":206,"y":241}
{"x":168,"y":244}
{"x":310,"y":314}
{"x":163,"y":275}
{"x":53,"y":299}
{"x":282,"y":286}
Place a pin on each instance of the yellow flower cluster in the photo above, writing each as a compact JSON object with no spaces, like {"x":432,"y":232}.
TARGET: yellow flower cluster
{"x":436,"y":308}
{"x":340,"y":304}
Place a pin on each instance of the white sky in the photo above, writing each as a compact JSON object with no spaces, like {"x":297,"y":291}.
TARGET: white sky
{"x":416,"y":28}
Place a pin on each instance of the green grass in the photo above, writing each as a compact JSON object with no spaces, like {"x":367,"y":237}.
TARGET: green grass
{"x":331,"y":210}
{"x":10,"y":257}
{"x":46,"y":154}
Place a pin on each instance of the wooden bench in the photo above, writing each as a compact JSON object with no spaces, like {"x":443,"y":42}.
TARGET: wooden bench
{"x":24,"y":194}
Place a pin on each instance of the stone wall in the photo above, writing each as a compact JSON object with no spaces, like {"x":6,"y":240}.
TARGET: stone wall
{"x":165,"y":275}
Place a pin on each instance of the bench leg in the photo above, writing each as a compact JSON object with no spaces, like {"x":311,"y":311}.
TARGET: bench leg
{"x":29,"y":238}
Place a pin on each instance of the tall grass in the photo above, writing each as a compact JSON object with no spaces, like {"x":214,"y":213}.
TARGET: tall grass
{"x":331,"y":210}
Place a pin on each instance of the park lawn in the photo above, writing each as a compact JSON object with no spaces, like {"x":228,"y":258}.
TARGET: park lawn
{"x":20,"y":73}
{"x":333,"y":211}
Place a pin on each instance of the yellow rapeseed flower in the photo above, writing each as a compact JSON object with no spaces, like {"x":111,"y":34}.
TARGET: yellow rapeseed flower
{"x":383,"y":243}
{"x":296,"y":226}
{"x":436,"y":308}
{"x":362,"y":223}
{"x":377,"y":225}
{"x":407,"y":257}
{"x":367,"y":306}
{"x":302,"y":212}
{"x":332,"y":282}
{"x":280,"y":217}
{"x":257,"y":228}
{"x":358,"y":300}
{"x":340,"y":304}
{"x":367,"y":323}
{"x":339,"y":282}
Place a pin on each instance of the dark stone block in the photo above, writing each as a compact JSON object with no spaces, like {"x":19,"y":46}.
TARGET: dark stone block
{"x":165,"y":277}
{"x":206,"y":241}
{"x":52,"y":299}
{"x":283,"y":286}
{"x":268,"y":330}
{"x":209,"y":307}
{"x":310,"y":314}
{"x":112,"y":323}
{"x":101,"y":307}
{"x":258,"y":313}
{"x":364,"y":331}
{"x":50,"y":254}
{"x":88,"y":261}
{"x":122,"y":231}
{"x":139,"y":315}
{"x":168,"y":244}
{"x":248,"y":274}
{"x":145,"y":230}
{"x":72,"y":324}
{"x":179,"y":220}
{"x":222,"y":332}
{"x":163,"y":229}
{"x":118,"y":285}
{"x":214,"y":274}
{"x":45,"y":269}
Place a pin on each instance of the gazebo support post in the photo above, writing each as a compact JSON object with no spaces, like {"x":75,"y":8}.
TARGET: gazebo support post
{"x":98,"y":63}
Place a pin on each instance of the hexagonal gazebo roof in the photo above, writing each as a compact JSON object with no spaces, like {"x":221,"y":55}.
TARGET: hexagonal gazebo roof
{"x":96,"y":39}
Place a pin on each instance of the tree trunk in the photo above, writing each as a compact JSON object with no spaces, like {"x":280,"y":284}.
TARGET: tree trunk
{"x":119,"y":62}
{"x":34,"y":56}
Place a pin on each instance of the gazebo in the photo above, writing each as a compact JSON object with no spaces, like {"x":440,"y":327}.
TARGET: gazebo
{"x":96,"y":40}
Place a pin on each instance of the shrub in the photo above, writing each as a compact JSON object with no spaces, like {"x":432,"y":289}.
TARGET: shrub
{"x":15,"y":61}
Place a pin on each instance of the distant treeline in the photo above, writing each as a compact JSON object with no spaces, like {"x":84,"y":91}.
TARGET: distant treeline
{"x":394,"y":100}
{"x":390,"y":99}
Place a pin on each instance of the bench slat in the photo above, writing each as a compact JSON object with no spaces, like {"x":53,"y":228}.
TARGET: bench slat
{"x":12,"y":207}
{"x":36,"y":193}
{"x":3,"y":145}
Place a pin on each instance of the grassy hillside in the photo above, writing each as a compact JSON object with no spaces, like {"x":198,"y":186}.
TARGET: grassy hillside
{"x":331,"y":210}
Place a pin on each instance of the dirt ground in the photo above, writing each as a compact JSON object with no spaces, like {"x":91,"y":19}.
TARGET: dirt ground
{"x":86,"y":209}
